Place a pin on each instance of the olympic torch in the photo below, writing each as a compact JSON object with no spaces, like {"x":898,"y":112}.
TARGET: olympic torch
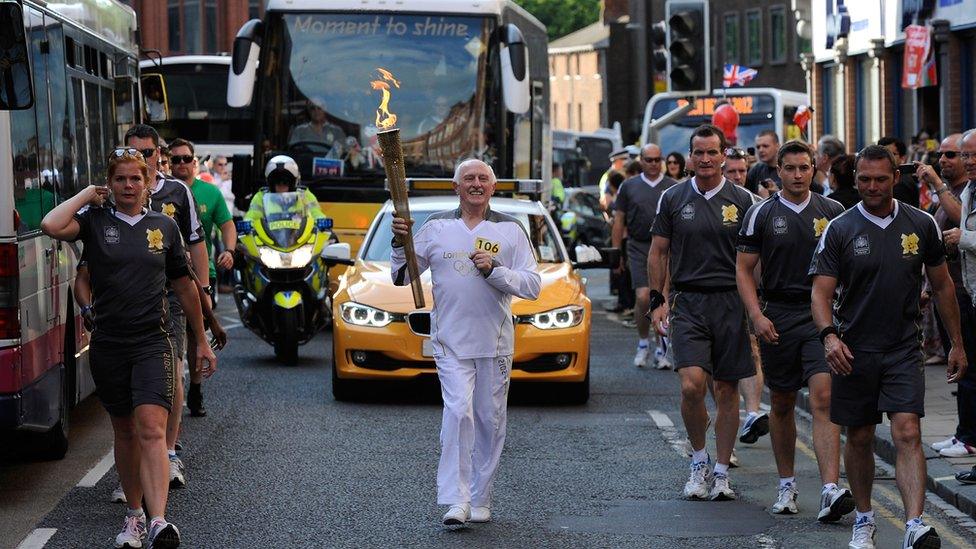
{"x":392,"y":152}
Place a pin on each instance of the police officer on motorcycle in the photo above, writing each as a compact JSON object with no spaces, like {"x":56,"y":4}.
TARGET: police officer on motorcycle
{"x":282,"y":176}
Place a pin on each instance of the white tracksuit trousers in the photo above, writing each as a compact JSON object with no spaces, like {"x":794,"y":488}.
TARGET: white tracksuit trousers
{"x":475,"y":393}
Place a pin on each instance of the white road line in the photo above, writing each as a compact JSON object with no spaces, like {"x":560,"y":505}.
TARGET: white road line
{"x":668,"y":431}
{"x":661,"y":419}
{"x":38,"y":538}
{"x":96,"y":473}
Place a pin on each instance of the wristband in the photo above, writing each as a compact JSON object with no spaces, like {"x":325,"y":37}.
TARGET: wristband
{"x":657,"y":299}
{"x":827,"y":331}
{"x":85,"y":309}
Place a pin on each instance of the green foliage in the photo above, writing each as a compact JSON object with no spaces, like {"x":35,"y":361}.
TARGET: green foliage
{"x":562,"y":17}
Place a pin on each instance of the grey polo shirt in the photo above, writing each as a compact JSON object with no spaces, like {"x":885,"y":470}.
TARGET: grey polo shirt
{"x":637,"y":199}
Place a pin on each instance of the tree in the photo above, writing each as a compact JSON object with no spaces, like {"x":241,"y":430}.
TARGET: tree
{"x":562,"y":17}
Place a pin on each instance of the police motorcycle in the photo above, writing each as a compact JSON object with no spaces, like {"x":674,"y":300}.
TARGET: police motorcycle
{"x":284,"y":251}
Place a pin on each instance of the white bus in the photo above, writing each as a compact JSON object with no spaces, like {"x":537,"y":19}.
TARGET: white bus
{"x":759,"y":109}
{"x":196,"y":91}
{"x":66,"y":99}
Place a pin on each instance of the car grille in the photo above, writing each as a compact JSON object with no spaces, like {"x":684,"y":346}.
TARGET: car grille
{"x":419,"y":323}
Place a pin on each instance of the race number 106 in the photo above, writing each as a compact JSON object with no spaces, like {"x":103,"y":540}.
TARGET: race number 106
{"x":481,"y":244}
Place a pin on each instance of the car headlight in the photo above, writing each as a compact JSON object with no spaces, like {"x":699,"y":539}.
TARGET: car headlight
{"x":364,"y":315}
{"x":564,"y":317}
{"x":295,"y":259}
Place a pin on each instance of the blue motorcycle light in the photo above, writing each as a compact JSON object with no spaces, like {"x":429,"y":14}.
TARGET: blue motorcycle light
{"x":244,"y":226}
{"x":323,"y":224}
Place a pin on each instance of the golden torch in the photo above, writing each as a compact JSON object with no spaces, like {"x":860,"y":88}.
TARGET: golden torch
{"x":392,"y":151}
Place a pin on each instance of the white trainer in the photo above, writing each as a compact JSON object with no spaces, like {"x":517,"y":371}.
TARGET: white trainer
{"x":480,"y":514}
{"x":118,"y":495}
{"x":834,"y":504}
{"x":640,"y":359}
{"x":958,"y":450}
{"x":661,"y":361}
{"x":863,"y":534}
{"x":786,"y":501}
{"x":921,"y":536}
{"x":699,"y":481}
{"x":133,"y":531}
{"x":943,"y":443}
{"x":722,"y":489}
{"x":177,"y":473}
{"x":457,"y":514}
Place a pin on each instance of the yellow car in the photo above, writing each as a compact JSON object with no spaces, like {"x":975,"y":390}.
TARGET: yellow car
{"x":378,"y":334}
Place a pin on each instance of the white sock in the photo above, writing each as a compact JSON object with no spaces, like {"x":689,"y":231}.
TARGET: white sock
{"x":699,"y":456}
{"x":172,"y":453}
{"x":721,"y":469}
{"x":753,"y":414}
{"x":869,"y":515}
{"x":642,"y":343}
{"x":828,"y":487}
{"x":914,"y":521}
{"x":783,"y":481}
{"x":157,"y":519}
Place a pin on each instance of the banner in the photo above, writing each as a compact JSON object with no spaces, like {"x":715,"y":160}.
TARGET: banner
{"x":918,"y":66}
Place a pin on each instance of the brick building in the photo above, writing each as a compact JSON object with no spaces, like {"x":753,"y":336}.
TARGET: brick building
{"x":577,"y":87}
{"x":182,"y":27}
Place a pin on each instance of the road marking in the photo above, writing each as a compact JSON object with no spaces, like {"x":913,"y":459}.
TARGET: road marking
{"x":661,"y":419}
{"x":38,"y":538}
{"x":675,"y":438}
{"x":943,"y":479}
{"x":96,"y":473}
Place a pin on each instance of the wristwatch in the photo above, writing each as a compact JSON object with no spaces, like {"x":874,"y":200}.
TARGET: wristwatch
{"x":827,"y":331}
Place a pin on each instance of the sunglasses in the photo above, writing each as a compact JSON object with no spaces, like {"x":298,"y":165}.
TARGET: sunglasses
{"x":735,"y":153}
{"x":948,"y":154}
{"x":126,"y":151}
{"x":181,"y":159}
{"x":650,"y":159}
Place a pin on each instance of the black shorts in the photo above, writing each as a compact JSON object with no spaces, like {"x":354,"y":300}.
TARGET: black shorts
{"x":799,"y":355}
{"x":882,"y":382}
{"x":136,"y":372}
{"x":709,"y":330}
{"x":637,"y":262}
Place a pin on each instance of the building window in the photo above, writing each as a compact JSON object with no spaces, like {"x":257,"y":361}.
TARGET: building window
{"x":777,"y":34}
{"x":254,"y":9}
{"x":210,"y":19}
{"x":730,"y":37}
{"x":193,"y":26}
{"x":968,"y":79}
{"x":173,"y":20}
{"x":754,"y":42}
{"x":827,"y":92}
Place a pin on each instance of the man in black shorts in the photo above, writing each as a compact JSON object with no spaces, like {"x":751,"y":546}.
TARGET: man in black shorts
{"x":694,"y":235}
{"x":875,"y":253}
{"x":780,"y":233}
{"x":635,"y":207}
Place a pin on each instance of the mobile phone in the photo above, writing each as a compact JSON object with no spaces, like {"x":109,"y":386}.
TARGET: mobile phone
{"x":907,"y":168}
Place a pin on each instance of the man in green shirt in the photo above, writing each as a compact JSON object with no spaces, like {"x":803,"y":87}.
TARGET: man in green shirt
{"x":212,"y":210}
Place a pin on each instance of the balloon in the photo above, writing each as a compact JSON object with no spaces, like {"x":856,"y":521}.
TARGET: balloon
{"x":727,"y":120}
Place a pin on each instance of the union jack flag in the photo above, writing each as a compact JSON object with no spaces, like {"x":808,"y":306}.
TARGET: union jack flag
{"x":736,"y":75}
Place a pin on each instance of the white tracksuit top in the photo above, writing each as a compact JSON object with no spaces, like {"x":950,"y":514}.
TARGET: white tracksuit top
{"x":472,"y":314}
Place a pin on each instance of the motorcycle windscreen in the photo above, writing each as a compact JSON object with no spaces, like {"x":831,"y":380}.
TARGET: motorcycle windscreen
{"x":285,"y":216}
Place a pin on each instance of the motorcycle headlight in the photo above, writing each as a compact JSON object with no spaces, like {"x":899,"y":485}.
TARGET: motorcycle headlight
{"x":295,"y":259}
{"x":364,"y":315}
{"x":564,"y":317}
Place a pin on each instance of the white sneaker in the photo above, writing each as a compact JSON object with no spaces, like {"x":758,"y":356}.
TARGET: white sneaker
{"x":863,"y":534}
{"x":118,"y":495}
{"x":132,"y":532}
{"x":943,"y":443}
{"x":921,"y":536}
{"x":661,"y":361}
{"x":163,"y":535}
{"x":640,"y":359}
{"x":457,"y":514}
{"x":786,"y":502}
{"x":699,"y":480}
{"x":177,"y":473}
{"x":957,"y":450}
{"x":834,"y":504}
{"x":480,"y":514}
{"x":722,"y":489}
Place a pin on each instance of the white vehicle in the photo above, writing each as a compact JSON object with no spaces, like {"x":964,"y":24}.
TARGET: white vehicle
{"x":66,"y":100}
{"x":759,"y":109}
{"x":584,"y":156}
{"x":196,"y":91}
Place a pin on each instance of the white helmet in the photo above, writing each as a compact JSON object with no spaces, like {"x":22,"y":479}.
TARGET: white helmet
{"x":282,"y":169}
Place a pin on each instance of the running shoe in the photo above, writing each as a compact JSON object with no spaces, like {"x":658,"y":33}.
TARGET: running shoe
{"x":480,"y":514}
{"x":699,"y":480}
{"x":754,"y":427}
{"x":133,"y":532}
{"x":786,"y":501}
{"x":640,"y":359}
{"x":177,"y":473}
{"x":921,"y":536}
{"x":967,"y":477}
{"x":163,"y":535}
{"x":958,"y":450}
{"x":118,"y":495}
{"x":457,"y":514}
{"x":862,"y":536}
{"x":834,"y":504}
{"x":661,"y":361}
{"x":944,"y":443}
{"x":722,"y":489}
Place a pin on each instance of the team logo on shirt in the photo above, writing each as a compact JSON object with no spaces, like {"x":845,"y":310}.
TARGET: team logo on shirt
{"x":819,"y":224}
{"x":688,"y":212}
{"x":111,"y":235}
{"x":169,"y":209}
{"x":155,"y":239}
{"x":862,"y":246}
{"x":779,"y":225}
{"x":909,"y":244}
{"x":730,"y":214}
{"x":202,"y":208}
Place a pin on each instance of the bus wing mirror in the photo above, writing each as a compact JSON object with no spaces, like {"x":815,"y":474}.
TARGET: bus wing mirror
{"x":244,"y":64}
{"x":515,"y":70}
{"x":16,"y":92}
{"x":155,"y":106}
{"x":241,"y":181}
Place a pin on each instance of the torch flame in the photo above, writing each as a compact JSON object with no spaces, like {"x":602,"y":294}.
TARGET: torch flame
{"x":384,"y":118}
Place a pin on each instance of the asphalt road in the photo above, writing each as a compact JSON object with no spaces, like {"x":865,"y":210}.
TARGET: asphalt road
{"x":279,"y":463}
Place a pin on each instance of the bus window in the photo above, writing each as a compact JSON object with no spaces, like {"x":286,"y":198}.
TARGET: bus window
{"x":60,"y":123}
{"x":76,"y":110}
{"x":154,"y":98}
{"x":93,"y":115}
{"x":15,"y":82}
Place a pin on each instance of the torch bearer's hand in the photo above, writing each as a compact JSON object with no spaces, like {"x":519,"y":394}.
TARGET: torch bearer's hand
{"x":401,"y":228}
{"x":482,"y":260}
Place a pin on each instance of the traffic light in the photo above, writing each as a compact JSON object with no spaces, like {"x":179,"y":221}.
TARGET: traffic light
{"x":659,"y":43}
{"x":689,"y":47}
